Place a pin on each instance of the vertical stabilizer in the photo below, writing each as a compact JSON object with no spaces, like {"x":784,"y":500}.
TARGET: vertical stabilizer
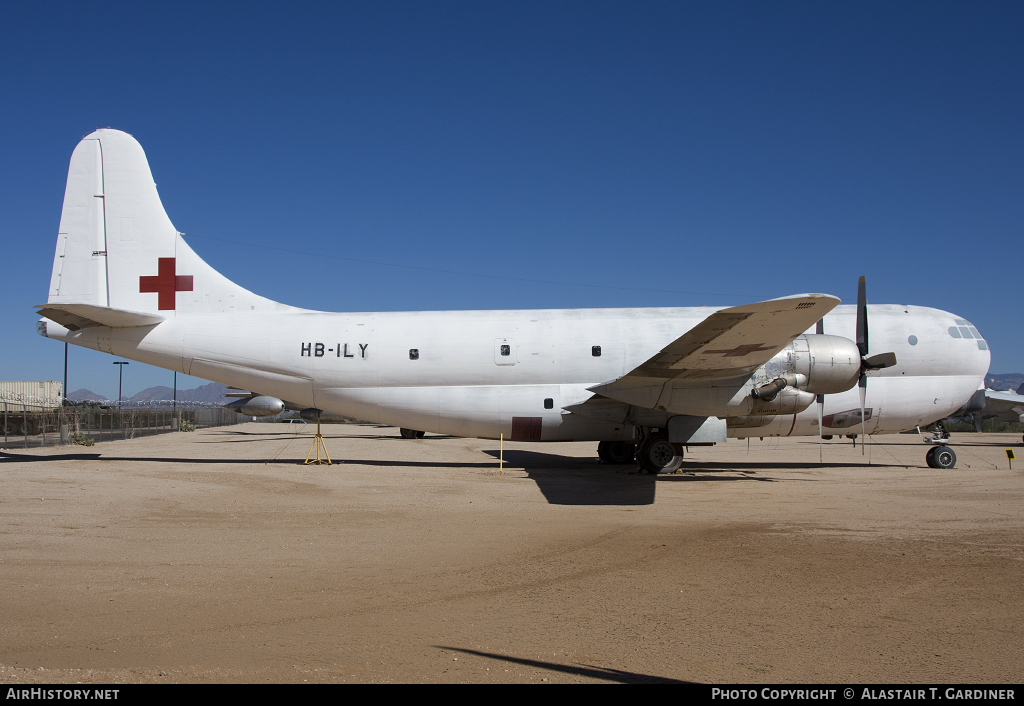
{"x":116,"y":247}
{"x":80,"y":263}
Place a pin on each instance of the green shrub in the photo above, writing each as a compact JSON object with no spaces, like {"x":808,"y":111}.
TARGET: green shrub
{"x":80,"y":439}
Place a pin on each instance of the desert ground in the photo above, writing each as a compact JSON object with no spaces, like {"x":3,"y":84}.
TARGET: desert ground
{"x":217,"y":556}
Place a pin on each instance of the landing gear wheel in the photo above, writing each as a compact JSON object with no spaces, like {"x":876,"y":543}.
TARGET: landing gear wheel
{"x":411,"y":433}
{"x":941,"y":457}
{"x":657,"y":455}
{"x":616,"y":452}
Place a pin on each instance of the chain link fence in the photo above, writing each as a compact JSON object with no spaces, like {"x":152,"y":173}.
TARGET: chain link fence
{"x":27,"y":423}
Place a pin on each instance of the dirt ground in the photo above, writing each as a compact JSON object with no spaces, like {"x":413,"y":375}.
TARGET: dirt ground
{"x":217,"y":556}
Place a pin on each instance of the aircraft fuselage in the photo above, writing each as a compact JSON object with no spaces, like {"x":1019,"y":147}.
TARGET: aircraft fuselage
{"x":471,"y":373}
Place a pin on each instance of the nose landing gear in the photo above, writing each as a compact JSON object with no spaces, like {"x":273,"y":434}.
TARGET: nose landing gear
{"x":940,"y":457}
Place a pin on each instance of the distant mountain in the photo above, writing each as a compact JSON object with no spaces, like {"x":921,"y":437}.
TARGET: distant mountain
{"x":212,"y":393}
{"x":1006,"y":381}
{"x":83,"y":395}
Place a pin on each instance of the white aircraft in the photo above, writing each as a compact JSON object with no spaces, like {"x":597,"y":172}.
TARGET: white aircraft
{"x":639,"y":381}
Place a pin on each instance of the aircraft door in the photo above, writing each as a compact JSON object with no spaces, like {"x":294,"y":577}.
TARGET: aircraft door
{"x":505,"y":352}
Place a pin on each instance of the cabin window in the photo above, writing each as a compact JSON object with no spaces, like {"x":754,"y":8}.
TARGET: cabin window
{"x":414,"y":354}
{"x":912,"y":340}
{"x":549,"y":403}
{"x":595,"y":351}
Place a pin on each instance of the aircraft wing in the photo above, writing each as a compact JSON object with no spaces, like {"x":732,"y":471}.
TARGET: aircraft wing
{"x":998,"y":404}
{"x":731,"y":343}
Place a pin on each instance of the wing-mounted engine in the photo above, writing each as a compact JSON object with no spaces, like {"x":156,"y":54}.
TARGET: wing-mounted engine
{"x":818,"y":364}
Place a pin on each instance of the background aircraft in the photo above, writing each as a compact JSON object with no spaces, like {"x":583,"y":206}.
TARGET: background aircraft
{"x":1006,"y":406}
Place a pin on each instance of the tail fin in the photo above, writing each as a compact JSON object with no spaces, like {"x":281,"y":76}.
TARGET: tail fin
{"x":117,"y":251}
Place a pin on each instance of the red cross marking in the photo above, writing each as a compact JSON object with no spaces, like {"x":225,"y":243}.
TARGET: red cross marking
{"x":165,"y":284}
{"x":743,"y":350}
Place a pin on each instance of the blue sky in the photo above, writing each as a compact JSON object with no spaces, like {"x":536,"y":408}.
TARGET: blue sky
{"x":448,"y":155}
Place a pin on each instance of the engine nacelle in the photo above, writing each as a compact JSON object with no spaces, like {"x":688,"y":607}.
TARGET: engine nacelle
{"x":788,"y":401}
{"x":259,"y":406}
{"x":818,"y":363}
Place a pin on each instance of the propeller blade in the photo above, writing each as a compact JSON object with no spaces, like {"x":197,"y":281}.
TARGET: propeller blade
{"x":863,"y":383}
{"x":862,"y":317}
{"x":821,"y":413}
{"x":882,"y":360}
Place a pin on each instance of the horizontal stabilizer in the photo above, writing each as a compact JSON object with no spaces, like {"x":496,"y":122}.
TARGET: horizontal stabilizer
{"x":78,"y":316}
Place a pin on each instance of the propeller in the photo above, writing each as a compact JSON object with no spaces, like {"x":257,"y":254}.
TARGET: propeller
{"x":875,"y":362}
{"x":820,"y":329}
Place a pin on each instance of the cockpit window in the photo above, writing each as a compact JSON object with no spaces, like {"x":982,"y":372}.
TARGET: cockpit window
{"x":963,"y":329}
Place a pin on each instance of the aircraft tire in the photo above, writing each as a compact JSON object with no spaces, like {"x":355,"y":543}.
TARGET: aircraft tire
{"x":616,"y":452}
{"x":941,"y":457}
{"x":420,"y":434}
{"x":658,"y":455}
{"x":410,"y":433}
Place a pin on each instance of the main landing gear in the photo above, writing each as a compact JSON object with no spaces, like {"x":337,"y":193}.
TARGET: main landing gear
{"x":411,"y":433}
{"x":658,"y":455}
{"x":616,"y":452}
{"x":655,"y":454}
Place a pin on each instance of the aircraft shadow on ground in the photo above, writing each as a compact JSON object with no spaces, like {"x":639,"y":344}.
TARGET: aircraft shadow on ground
{"x":287,"y":461}
{"x":309,"y":431}
{"x":566,"y":480}
{"x":7,"y":456}
{"x":614,"y":675}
